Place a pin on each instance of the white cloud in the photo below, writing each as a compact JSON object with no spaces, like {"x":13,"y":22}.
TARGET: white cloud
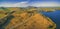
{"x":19,"y":4}
{"x":45,"y":4}
{"x":26,"y":4}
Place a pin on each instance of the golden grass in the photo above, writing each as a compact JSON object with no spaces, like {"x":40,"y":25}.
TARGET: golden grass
{"x":23,"y":20}
{"x":37,"y":21}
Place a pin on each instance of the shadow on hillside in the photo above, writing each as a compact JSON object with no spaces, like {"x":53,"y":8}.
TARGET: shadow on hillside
{"x":6,"y":20}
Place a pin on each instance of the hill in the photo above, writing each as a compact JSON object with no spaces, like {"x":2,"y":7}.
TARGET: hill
{"x":27,"y":18}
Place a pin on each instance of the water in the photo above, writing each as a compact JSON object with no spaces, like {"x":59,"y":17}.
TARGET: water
{"x":55,"y":16}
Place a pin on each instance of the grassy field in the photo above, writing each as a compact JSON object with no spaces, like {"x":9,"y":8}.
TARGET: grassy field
{"x":28,"y":18}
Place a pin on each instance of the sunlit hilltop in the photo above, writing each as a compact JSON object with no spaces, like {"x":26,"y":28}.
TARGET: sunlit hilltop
{"x":26,"y":18}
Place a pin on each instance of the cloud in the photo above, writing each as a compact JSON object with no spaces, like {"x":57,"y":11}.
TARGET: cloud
{"x":45,"y":4}
{"x":34,"y":4}
{"x":21,"y":4}
{"x":18,"y":4}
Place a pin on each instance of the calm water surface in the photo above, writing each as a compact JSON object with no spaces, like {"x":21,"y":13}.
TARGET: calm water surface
{"x":55,"y":16}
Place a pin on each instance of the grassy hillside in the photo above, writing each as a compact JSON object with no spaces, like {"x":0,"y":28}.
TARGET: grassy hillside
{"x":27,"y":18}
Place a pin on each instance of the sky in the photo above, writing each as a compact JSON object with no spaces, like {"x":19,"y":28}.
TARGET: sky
{"x":26,"y":3}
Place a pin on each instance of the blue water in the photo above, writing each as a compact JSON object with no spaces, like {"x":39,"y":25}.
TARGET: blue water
{"x":55,"y":16}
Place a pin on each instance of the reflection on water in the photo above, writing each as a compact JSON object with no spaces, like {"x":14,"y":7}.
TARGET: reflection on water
{"x":55,"y":16}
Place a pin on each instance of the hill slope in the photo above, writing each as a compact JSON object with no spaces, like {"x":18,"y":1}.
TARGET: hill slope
{"x":30,"y":20}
